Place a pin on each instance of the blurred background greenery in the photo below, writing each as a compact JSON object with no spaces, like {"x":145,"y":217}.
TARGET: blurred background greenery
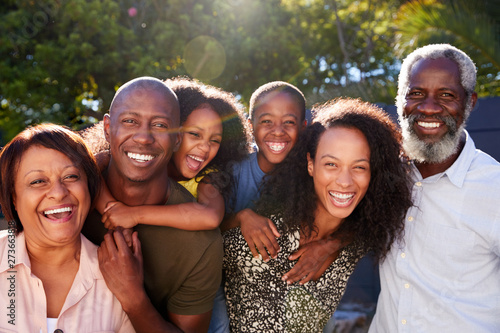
{"x":61,"y":61}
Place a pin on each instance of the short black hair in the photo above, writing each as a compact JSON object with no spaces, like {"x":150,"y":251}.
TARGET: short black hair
{"x":271,"y":89}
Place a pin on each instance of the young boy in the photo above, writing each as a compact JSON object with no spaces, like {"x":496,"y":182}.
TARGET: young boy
{"x":276,"y":116}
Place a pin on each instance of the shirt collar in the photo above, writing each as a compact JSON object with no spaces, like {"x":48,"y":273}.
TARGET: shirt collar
{"x":20,"y":254}
{"x":90,"y":262}
{"x":89,"y":266}
{"x":458,"y":170}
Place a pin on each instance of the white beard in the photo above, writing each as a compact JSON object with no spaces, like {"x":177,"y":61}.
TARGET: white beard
{"x":436,"y":152}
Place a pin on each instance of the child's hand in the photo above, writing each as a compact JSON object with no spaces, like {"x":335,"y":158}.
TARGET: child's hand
{"x":260,"y":234}
{"x":314,"y":258}
{"x":117,"y":214}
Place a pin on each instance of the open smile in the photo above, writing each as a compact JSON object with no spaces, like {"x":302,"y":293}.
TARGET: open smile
{"x":276,"y":147}
{"x":141,"y":158}
{"x":429,"y":125}
{"x":340,"y":199}
{"x":434,"y":127}
{"x":59,"y":215}
{"x":194,"y":162}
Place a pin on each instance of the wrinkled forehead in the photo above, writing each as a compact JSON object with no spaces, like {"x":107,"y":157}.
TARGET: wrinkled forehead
{"x":443,"y":64}
{"x":439,"y":73}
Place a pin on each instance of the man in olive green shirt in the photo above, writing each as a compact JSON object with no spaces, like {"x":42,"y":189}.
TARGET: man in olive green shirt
{"x":182,"y":269}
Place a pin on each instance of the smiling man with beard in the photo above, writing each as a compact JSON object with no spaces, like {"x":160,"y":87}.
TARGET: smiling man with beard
{"x":444,"y":276}
{"x":182,"y":269}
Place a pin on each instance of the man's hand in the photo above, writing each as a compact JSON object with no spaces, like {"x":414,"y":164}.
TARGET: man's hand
{"x":260,"y":234}
{"x":121,"y":267}
{"x":313,"y":260}
{"x":117,"y":214}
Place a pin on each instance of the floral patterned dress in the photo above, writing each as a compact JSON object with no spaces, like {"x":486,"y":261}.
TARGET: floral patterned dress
{"x":259,"y":301}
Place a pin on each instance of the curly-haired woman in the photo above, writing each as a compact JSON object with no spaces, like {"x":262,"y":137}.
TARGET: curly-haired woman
{"x":344,"y":176}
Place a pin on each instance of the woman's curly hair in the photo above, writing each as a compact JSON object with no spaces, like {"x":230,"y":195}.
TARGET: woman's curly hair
{"x":235,"y":130}
{"x":378,"y":220}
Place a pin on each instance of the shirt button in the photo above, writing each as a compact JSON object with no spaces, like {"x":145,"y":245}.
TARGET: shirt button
{"x":410,"y":218}
{"x":403,"y":321}
{"x":418,"y":184}
{"x":403,"y":255}
{"x":58,"y":331}
{"x":407,"y":285}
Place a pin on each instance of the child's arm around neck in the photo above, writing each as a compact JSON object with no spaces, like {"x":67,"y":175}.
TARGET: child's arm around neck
{"x":205,"y":214}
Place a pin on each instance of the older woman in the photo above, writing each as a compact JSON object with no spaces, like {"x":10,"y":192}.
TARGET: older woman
{"x":49,"y":272}
{"x":343,"y":176}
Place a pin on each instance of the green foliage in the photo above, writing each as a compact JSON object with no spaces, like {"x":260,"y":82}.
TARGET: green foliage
{"x":261,"y":46}
{"x":62,"y":61}
{"x":53,"y":56}
{"x":471,"y":26}
{"x":348,"y":47}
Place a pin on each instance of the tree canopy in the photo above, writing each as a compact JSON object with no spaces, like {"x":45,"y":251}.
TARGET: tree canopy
{"x":473,"y":27}
{"x":61,"y":61}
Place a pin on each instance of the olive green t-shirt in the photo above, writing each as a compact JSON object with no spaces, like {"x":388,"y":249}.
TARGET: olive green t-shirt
{"x":182,"y":269}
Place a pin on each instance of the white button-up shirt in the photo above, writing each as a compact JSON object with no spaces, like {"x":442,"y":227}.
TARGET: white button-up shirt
{"x":445,"y":275}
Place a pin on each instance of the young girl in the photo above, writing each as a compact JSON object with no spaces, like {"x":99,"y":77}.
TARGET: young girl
{"x":343,"y":176}
{"x":214,"y":136}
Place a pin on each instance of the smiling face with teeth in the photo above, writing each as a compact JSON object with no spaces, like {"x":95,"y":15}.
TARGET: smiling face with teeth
{"x":341,"y":174}
{"x":276,"y":126}
{"x":435,"y":111}
{"x":51,"y":197}
{"x":142,"y":130}
{"x":201,"y":139}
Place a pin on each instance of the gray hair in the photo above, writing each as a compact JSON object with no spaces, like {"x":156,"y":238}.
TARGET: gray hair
{"x":436,"y":51}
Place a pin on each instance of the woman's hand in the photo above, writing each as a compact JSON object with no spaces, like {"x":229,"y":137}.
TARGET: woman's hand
{"x":117,"y":214}
{"x":121,"y":267}
{"x":260,"y":234}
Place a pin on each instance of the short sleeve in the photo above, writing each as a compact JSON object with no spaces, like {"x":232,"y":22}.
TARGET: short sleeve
{"x":197,"y":292}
